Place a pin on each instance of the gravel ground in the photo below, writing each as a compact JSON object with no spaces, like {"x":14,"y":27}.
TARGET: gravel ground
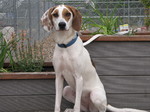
{"x":48,"y":48}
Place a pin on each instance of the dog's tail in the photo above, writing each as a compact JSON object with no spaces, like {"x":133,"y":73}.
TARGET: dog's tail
{"x":114,"y":109}
{"x":92,"y":39}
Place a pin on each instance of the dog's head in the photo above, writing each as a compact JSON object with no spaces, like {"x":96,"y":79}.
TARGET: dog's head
{"x":61,"y":18}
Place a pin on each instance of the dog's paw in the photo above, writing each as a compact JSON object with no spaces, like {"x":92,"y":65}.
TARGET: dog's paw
{"x":69,"y":110}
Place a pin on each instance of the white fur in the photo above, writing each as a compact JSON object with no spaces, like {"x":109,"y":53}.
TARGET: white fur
{"x":92,"y":39}
{"x":74,"y":65}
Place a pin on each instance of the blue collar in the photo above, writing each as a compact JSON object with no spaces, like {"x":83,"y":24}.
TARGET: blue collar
{"x":70,"y":43}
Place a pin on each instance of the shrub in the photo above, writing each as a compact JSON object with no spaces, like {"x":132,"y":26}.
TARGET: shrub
{"x":28,"y":56}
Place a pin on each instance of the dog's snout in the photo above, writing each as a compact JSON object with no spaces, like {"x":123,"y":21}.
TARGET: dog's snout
{"x":62,"y":25}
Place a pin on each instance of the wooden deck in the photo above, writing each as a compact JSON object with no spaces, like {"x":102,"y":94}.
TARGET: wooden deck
{"x":124,"y":68}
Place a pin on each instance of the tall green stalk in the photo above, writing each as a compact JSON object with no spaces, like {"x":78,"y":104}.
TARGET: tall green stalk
{"x":6,"y":51}
{"x":105,"y":24}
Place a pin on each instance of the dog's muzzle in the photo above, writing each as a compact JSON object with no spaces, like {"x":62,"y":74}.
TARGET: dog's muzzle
{"x":62,"y":26}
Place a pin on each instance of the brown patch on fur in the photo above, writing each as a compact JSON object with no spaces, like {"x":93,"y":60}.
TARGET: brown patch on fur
{"x":50,"y":14}
{"x":47,"y":20}
{"x":66,"y":14}
{"x":77,"y":18}
{"x":55,"y":13}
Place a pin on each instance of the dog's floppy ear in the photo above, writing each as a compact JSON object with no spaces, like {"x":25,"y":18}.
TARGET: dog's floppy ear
{"x":46,"y":20}
{"x":77,"y":18}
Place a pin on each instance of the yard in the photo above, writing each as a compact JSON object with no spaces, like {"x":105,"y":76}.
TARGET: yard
{"x":27,"y":77}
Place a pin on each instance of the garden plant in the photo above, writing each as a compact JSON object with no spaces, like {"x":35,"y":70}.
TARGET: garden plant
{"x":104,"y":24}
{"x":23,"y":54}
{"x":6,"y":50}
{"x":146,"y":4}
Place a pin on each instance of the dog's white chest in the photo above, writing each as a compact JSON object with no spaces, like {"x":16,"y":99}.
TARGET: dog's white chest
{"x":63,"y":63}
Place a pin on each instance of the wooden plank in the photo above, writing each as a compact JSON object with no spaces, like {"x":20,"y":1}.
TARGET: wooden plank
{"x":112,"y":84}
{"x":122,"y":38}
{"x":27,"y":75}
{"x":30,"y":103}
{"x":46,"y":64}
{"x":119,"y":49}
{"x":126,"y":84}
{"x":27,"y":87}
{"x":143,"y":33}
{"x":123,"y":66}
{"x":137,"y":101}
{"x":46,"y":102}
{"x":49,"y":64}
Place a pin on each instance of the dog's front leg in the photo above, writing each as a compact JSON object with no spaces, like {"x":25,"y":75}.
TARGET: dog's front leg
{"x":59,"y":89}
{"x":79,"y":87}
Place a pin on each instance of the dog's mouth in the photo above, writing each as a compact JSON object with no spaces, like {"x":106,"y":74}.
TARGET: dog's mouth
{"x":63,"y":30}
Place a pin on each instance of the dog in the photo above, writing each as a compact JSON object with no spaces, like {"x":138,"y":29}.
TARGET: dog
{"x":72,"y":62}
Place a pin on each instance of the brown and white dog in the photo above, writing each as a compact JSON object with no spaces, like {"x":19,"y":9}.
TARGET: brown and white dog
{"x":72,"y":62}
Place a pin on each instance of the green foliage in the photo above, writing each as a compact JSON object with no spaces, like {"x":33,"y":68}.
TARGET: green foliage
{"x":23,"y":56}
{"x":105,"y":24}
{"x":28,"y":57}
{"x":147,"y":21}
{"x":5,"y":50}
{"x":146,"y":3}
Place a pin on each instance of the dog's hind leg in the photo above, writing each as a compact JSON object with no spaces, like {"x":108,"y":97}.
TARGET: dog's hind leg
{"x":69,"y":95}
{"x":98,"y":98}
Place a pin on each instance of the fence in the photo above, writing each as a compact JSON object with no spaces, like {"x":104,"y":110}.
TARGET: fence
{"x":25,"y":14}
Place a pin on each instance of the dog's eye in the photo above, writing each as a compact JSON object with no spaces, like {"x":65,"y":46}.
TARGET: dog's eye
{"x":55,"y":15}
{"x":68,"y":14}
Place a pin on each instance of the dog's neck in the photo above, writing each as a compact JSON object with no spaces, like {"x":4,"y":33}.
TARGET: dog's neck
{"x":63,"y":37}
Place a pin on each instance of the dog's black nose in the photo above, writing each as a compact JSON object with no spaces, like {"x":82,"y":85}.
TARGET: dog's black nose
{"x":62,"y":25}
